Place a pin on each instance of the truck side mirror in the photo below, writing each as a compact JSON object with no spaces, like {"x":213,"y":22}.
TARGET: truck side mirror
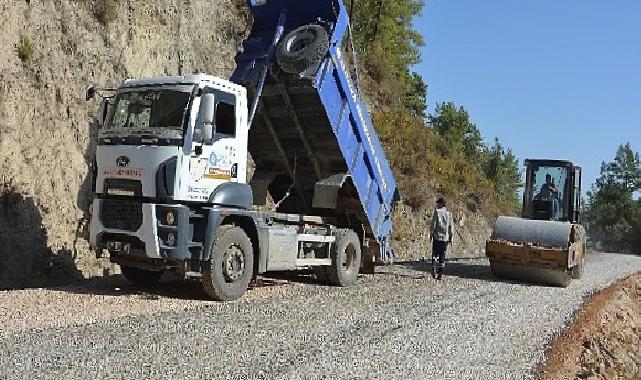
{"x":90,"y":92}
{"x":207,"y":107}
{"x":207,"y":132}
{"x":102,"y":113}
{"x":207,"y":110}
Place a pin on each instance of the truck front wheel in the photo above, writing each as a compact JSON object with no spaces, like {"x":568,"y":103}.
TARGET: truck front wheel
{"x":140,"y":276}
{"x":346,"y":259}
{"x":231,"y":262}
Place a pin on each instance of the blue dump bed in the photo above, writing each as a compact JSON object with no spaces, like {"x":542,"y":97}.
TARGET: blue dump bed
{"x":315,"y":128}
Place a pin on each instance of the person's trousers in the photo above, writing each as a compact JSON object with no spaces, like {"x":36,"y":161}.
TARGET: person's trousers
{"x":439,"y":248}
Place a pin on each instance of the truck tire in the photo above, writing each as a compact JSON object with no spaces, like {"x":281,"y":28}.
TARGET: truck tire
{"x":140,"y":276}
{"x":231,"y":264}
{"x":346,"y":259}
{"x":302,"y":49}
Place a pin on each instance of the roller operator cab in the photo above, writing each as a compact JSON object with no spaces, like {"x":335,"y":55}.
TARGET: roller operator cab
{"x":547,"y":244}
{"x":552,"y":191}
{"x":171,"y":178}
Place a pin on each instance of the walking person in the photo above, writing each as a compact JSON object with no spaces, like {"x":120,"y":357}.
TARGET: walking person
{"x":441,"y":235}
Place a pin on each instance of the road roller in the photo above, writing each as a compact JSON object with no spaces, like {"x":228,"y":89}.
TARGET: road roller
{"x":546,"y":245}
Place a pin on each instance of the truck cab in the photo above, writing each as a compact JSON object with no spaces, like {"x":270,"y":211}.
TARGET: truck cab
{"x":167,"y":140}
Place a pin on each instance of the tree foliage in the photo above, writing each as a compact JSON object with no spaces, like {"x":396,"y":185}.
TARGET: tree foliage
{"x":454,"y":125}
{"x":613,"y":216}
{"x":443,"y":152}
{"x":501,"y":167}
{"x":388,"y":46}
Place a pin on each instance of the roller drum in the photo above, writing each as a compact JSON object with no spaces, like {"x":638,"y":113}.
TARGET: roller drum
{"x":543,"y":233}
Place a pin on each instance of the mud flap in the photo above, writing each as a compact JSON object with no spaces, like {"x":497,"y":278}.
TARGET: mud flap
{"x":368,"y":259}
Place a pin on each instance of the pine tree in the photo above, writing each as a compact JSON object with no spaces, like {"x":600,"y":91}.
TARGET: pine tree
{"x":614,"y":217}
{"x":454,"y":125}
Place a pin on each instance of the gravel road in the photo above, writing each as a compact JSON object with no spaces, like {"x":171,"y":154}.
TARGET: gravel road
{"x":398,"y":324}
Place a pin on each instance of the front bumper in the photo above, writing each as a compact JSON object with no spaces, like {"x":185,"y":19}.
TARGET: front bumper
{"x":150,"y":240}
{"x":142,"y":242}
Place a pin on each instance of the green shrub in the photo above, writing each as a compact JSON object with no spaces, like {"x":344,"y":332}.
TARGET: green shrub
{"x":26,"y":48}
{"x":106,"y":11}
{"x":424,"y":169}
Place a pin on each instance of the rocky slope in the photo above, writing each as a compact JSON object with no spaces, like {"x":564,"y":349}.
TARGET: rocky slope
{"x":45,"y":125}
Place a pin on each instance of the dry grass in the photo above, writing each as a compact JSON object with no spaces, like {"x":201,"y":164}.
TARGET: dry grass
{"x":105,"y":11}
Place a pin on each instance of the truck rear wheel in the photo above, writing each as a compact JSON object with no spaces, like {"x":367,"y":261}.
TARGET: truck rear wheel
{"x":231,"y":263}
{"x":302,"y":49}
{"x":140,"y":276}
{"x":346,"y":259}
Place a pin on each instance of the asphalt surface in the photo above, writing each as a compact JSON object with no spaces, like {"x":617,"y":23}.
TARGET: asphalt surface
{"x":397,"y":324}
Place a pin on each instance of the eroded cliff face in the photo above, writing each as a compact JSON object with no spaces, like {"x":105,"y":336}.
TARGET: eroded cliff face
{"x":46,"y":127}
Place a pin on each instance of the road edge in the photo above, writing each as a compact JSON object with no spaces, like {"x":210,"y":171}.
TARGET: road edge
{"x":564,"y":351}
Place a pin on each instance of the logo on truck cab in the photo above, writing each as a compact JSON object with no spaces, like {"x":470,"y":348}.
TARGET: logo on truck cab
{"x":122,"y":161}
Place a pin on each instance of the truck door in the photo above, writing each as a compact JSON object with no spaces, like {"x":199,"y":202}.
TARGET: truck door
{"x":220,"y":160}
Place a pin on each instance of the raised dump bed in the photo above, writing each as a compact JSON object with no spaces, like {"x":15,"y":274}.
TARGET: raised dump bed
{"x":312,"y":137}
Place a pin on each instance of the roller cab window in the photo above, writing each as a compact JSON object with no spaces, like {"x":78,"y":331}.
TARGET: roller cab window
{"x":547,"y":194}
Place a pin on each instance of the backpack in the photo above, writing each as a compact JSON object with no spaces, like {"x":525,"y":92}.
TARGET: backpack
{"x":442,"y":221}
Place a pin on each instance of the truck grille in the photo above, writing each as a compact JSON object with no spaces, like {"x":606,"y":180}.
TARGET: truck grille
{"x":121,"y":215}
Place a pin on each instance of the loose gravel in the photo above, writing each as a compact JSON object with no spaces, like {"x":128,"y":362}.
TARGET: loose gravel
{"x":397,"y":324}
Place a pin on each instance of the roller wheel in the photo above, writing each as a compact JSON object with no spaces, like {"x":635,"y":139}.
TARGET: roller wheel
{"x":346,"y":259}
{"x":230,"y":267}
{"x":302,"y":49}
{"x":577,"y":271}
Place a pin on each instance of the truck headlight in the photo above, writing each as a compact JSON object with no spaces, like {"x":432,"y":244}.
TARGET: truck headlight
{"x":171,"y":239}
{"x":170,"y":218}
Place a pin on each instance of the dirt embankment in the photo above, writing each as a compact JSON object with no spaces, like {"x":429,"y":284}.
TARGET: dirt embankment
{"x":49,"y":52}
{"x":604,"y":340}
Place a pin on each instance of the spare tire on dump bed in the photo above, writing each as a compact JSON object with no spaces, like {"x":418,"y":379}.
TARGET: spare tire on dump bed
{"x":302,"y":49}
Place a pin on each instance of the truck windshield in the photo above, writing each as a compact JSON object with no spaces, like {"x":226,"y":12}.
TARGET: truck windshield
{"x":156,"y":112}
{"x":546,"y":192}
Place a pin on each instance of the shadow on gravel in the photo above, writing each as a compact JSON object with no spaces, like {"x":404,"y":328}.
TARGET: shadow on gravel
{"x":118,"y":286}
{"x":171,"y":286}
{"x":461,"y":269}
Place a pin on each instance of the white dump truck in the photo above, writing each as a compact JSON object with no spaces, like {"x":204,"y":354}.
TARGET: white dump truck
{"x":171,"y":167}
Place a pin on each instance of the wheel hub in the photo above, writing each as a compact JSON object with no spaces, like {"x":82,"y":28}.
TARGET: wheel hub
{"x":348,"y":259}
{"x":233,"y":264}
{"x":301,"y":42}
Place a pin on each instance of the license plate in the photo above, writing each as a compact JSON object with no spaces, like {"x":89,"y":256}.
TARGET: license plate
{"x":118,"y":247}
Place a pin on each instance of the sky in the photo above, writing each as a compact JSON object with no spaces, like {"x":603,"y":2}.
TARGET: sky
{"x":550,"y":78}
